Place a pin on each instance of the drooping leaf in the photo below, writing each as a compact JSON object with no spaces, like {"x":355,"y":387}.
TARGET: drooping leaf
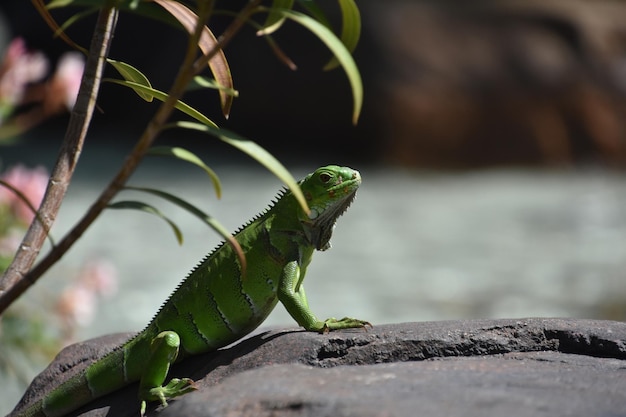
{"x":73,"y":19}
{"x":138,"y":205}
{"x":131,"y":73}
{"x":210,"y":221}
{"x":188,"y":156}
{"x":274,"y":20}
{"x":120,"y":4}
{"x":338,"y":49}
{"x":207,"y":42}
{"x":160,"y":95}
{"x":60,"y":3}
{"x":350,"y":29}
{"x":256,"y":152}
{"x":199,"y":82}
{"x":142,"y":8}
{"x":314,"y":10}
{"x":52,"y":23}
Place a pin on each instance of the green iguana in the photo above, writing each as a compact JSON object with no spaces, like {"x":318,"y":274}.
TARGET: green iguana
{"x":216,"y":304}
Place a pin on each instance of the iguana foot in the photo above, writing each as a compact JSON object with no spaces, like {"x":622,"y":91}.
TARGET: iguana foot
{"x":344,"y":323}
{"x":174,"y":388}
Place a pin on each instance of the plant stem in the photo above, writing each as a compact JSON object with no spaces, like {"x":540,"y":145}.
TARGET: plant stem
{"x":16,"y":278}
{"x":190,"y":67}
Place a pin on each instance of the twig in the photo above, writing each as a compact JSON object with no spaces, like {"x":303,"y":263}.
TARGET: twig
{"x":189,"y":68}
{"x":16,"y":278}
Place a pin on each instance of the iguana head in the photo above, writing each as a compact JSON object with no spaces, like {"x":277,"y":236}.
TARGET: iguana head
{"x":328,"y":191}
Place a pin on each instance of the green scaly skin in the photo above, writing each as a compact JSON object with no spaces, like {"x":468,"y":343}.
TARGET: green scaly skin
{"x":215,"y":306}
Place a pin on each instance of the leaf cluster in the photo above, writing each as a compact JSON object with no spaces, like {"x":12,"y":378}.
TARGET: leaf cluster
{"x":179,"y":13}
{"x":205,"y":66}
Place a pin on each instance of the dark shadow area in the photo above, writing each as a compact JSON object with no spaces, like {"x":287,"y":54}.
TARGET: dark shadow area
{"x":447,"y":84}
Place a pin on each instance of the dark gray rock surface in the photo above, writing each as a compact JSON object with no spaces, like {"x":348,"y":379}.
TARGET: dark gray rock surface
{"x":525,"y":367}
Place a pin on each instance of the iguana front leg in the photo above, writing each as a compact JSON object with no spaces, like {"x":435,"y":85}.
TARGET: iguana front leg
{"x":291,"y":295}
{"x":163,"y":352}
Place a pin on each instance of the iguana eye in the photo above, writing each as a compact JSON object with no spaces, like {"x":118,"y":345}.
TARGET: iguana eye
{"x":325,"y":177}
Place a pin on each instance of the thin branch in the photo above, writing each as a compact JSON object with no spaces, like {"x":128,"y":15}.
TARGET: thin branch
{"x":228,"y":34}
{"x":189,"y":68}
{"x":16,"y":276}
{"x":24,"y":199}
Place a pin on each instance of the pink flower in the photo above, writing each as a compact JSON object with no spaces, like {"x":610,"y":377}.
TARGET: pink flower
{"x":25,"y":98}
{"x":78,"y":302}
{"x":77,"y":306}
{"x":66,"y":79}
{"x":18,"y":69}
{"x":100,"y":276}
{"x":30,"y":182}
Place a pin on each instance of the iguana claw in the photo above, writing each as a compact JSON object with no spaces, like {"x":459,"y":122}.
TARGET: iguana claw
{"x":174,"y":388}
{"x":344,"y":323}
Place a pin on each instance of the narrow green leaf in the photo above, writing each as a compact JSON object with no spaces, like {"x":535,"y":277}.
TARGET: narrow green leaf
{"x":132,"y":74}
{"x":138,"y":205}
{"x":207,"y":42}
{"x":339,"y":50}
{"x":52,"y":23}
{"x":210,"y":221}
{"x":188,"y":156}
{"x":274,"y":20}
{"x":73,"y":19}
{"x":120,"y":4}
{"x":139,"y":7}
{"x":256,"y":152}
{"x":314,"y":10}
{"x":160,"y":95}
{"x":61,"y":3}
{"x":199,"y":82}
{"x":350,"y":29}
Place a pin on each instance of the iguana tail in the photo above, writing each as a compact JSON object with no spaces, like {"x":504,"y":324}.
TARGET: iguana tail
{"x":98,"y":379}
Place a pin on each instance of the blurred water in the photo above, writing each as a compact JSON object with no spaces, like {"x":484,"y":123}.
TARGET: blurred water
{"x":414,"y":245}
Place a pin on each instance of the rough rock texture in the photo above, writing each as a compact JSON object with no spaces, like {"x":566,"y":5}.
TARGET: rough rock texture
{"x":526,"y":367}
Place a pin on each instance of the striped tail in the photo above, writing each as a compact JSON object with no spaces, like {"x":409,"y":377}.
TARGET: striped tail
{"x":98,"y":379}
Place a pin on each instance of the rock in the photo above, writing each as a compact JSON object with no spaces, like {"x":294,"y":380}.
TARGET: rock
{"x":526,"y":367}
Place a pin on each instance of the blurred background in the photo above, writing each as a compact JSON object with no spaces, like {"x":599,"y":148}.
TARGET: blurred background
{"x":492,"y":147}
